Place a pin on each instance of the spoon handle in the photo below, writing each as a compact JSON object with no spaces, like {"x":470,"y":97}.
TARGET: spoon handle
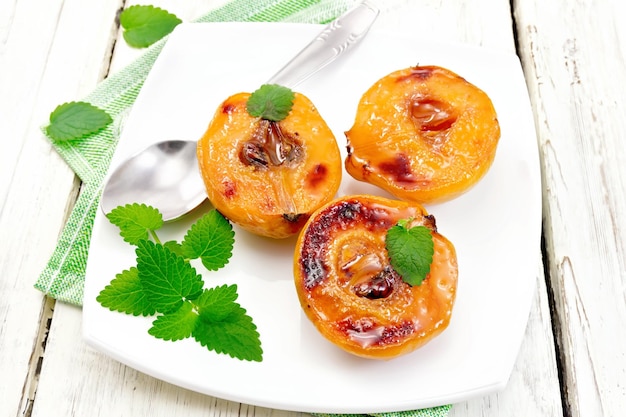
{"x":336,"y":38}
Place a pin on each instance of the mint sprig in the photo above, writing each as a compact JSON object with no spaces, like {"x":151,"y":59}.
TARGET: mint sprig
{"x":165,"y":284}
{"x":75,"y":120}
{"x":144,"y":25}
{"x":410,"y":250}
{"x":271,"y":102}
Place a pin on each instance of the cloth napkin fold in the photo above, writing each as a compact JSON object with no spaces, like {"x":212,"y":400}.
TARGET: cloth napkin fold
{"x":64,"y":276}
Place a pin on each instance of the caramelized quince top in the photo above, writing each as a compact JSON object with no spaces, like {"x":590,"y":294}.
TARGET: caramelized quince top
{"x":423,"y":134}
{"x":351,"y":293}
{"x":268,"y":176}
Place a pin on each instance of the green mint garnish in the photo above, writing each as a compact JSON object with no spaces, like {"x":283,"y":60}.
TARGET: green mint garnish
{"x":210,"y":239}
{"x":216,"y":304}
{"x":175,"y":247}
{"x":125,"y":294}
{"x":144,"y":25}
{"x":136,"y":221}
{"x":166,"y":278}
{"x":410,"y":251}
{"x":76,"y":119}
{"x":271,"y":102}
{"x":165,"y":284}
{"x":227,"y":329}
{"x":177,"y":325}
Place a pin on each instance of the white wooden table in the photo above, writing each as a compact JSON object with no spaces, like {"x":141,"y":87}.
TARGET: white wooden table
{"x":572,"y":361}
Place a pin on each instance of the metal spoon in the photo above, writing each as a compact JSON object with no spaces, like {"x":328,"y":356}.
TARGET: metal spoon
{"x":165,"y":175}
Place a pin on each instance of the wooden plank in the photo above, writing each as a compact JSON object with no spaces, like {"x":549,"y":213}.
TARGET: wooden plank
{"x":36,"y":186}
{"x":93,"y":384}
{"x":573,"y":53}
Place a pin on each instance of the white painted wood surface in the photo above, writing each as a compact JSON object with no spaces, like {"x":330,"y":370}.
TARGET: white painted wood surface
{"x":574,"y":56}
{"x":50,"y":52}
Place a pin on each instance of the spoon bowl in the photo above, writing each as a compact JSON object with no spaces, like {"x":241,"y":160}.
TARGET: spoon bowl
{"x":165,"y":175}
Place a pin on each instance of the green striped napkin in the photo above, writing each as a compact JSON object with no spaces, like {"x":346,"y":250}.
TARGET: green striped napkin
{"x":64,"y":276}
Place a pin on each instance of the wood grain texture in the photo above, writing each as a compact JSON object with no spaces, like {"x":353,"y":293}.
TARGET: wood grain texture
{"x":44,"y":60}
{"x":574,"y":58}
{"x":71,"y":53}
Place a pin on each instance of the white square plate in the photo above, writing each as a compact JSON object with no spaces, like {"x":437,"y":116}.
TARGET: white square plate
{"x":495,"y":228}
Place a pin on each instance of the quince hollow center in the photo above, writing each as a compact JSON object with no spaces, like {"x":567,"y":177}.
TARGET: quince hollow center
{"x":431,"y":115}
{"x":270,"y":146}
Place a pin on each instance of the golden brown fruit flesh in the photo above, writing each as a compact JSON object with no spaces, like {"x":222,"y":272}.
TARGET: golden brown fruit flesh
{"x":268,"y":177}
{"x":423,"y":134}
{"x":350,"y":292}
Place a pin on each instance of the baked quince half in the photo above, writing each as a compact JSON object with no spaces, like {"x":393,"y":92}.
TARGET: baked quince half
{"x":350,"y":288}
{"x":269,"y":170}
{"x":423,"y":134}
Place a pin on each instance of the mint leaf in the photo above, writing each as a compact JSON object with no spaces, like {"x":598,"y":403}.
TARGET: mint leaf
{"x":75,"y":120}
{"x":167,"y":279}
{"x":410,"y":251}
{"x":177,"y":325}
{"x":125,"y":294}
{"x":211,"y":239}
{"x":175,"y":247}
{"x":215,"y":304}
{"x":135,"y":221}
{"x":271,"y":102}
{"x":234,"y":335}
{"x":144,"y":25}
